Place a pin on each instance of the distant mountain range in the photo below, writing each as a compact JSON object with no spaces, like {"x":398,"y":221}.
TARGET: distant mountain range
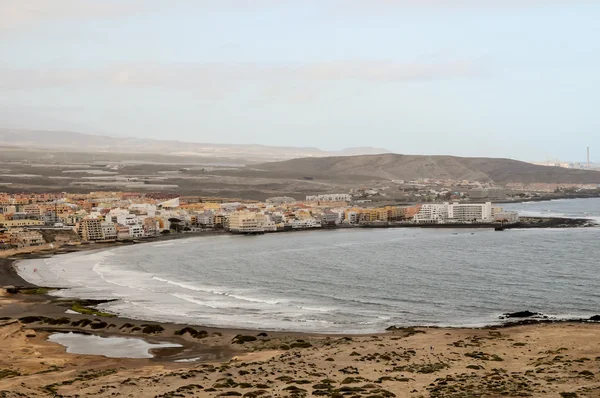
{"x":410,"y":167}
{"x":72,"y":141}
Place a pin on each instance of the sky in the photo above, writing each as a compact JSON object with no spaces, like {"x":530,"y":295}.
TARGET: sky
{"x":499,"y":78}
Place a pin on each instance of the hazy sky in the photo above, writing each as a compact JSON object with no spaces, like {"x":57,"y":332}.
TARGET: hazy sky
{"x":507,"y":78}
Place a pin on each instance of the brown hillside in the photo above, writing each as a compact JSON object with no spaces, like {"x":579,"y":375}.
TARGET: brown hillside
{"x":408,"y":167}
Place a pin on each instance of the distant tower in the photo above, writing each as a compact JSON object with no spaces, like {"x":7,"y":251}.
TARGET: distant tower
{"x":588,"y":157}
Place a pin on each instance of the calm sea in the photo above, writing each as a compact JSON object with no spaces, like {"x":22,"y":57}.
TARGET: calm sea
{"x":345,"y":281}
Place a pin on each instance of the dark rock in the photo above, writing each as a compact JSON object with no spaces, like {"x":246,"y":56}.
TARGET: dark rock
{"x":300,"y":344}
{"x":241,"y":339}
{"x":595,"y":318}
{"x":11,"y":289}
{"x":521,"y":314}
{"x":198,"y":334}
{"x":98,"y":325}
{"x":152,"y":329}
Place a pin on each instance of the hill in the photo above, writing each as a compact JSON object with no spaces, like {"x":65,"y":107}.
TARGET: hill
{"x":73,"y":141}
{"x":410,"y":167}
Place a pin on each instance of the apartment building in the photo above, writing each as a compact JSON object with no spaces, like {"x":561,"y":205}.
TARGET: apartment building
{"x":24,"y":238}
{"x":245,"y":222}
{"x":20,"y":223}
{"x":432,"y":213}
{"x":455,"y":212}
{"x":90,"y":229}
{"x":136,"y":231}
{"x":470,"y":212}
{"x":109,"y":230}
{"x":32,"y":211}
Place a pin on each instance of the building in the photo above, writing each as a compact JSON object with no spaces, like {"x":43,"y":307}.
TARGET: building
{"x":506,"y":216}
{"x":432,"y":213}
{"x":109,"y":230}
{"x":123,"y":232}
{"x":304,"y":224}
{"x":455,"y":212}
{"x":338,"y":197}
{"x":20,"y":223}
{"x":470,"y":212}
{"x":279,"y":200}
{"x":330,"y":218}
{"x":33,"y":211}
{"x":136,"y":231}
{"x":24,"y":238}
{"x":245,"y":222}
{"x":90,"y":229}
{"x":206,"y":219}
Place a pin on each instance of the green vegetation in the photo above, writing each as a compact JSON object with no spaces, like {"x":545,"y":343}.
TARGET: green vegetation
{"x":37,"y":290}
{"x":77,"y":307}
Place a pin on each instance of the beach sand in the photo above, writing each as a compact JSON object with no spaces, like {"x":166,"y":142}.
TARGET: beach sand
{"x":536,"y":360}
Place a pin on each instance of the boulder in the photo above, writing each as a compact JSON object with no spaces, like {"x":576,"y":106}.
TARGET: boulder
{"x":595,"y":318}
{"x":521,"y":314}
{"x":11,"y":289}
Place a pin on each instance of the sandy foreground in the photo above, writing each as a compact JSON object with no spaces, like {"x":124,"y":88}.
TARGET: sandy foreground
{"x":541,"y":360}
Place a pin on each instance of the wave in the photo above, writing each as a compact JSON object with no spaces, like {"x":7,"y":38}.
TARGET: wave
{"x":184,"y":285}
{"x":221,"y":292}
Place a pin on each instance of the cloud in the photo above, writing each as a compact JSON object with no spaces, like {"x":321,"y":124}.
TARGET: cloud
{"x":149,"y":75}
{"x":459,"y":3}
{"x":28,"y":14}
{"x":16,"y":14}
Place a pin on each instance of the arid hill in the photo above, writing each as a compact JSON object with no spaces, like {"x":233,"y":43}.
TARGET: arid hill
{"x":78,"y":142}
{"x":409,"y":167}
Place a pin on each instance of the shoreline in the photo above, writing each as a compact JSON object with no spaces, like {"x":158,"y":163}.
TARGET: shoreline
{"x":537,"y":357}
{"x":10,"y":277}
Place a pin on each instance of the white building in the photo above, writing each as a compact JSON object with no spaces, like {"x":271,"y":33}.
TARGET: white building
{"x":136,"y":231}
{"x":432,"y":213}
{"x":267,"y":224}
{"x":305,"y":223}
{"x":337,"y":197}
{"x":109,"y":230}
{"x":470,"y":212}
{"x":206,"y":219}
{"x":352,"y":217}
{"x":455,"y":212}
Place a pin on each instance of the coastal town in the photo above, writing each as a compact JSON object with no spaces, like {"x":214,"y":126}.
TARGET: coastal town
{"x":50,"y":220}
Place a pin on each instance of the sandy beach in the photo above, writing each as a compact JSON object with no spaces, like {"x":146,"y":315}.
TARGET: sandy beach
{"x":539,"y":360}
{"x":555,"y":359}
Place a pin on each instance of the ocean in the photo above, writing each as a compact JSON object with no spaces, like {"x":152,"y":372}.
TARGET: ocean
{"x":344,"y":281}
